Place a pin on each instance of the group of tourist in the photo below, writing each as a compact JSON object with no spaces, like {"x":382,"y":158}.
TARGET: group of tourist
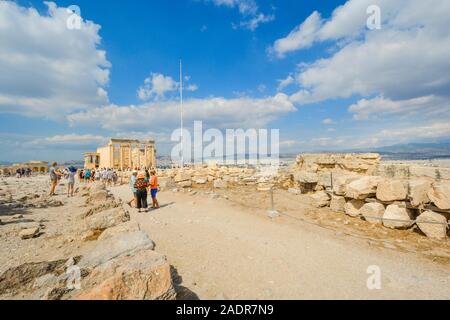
{"x":142,"y":183}
{"x":107,"y":176}
{"x":23,"y":172}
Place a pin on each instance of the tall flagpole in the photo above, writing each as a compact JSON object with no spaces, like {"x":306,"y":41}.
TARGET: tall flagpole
{"x":181,"y":107}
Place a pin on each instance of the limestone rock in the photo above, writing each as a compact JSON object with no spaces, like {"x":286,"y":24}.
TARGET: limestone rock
{"x":362,"y":188}
{"x":144,"y":276}
{"x":185,"y":184}
{"x":391,"y":190}
{"x":418,"y":192}
{"x":107,"y":219}
{"x":306,"y":177}
{"x":403,"y":217}
{"x":340,"y":183}
{"x":337,"y":203}
{"x":220,"y":184}
{"x":435,"y":231}
{"x":320,"y":199}
{"x":439,"y":194}
{"x":181,"y":177}
{"x":98,"y":197}
{"x":373,"y":212}
{"x":325,"y":179}
{"x":127,"y":227}
{"x":200,"y":179}
{"x":122,"y":244}
{"x":353,"y":206}
{"x":29,"y":233}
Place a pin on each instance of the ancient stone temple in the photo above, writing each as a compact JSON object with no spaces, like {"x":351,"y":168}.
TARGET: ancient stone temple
{"x":122,"y":154}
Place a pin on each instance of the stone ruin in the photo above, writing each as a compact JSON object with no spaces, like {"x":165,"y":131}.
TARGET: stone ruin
{"x":359,"y":185}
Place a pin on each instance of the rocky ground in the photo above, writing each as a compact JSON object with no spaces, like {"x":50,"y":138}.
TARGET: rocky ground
{"x":214,"y":243}
{"x":83,"y":247}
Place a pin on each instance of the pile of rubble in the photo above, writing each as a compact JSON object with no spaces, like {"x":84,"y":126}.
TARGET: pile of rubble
{"x":346,"y":183}
{"x":216,"y":177}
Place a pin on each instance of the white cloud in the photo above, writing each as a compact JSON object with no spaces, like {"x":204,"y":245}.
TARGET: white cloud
{"x":254,"y":22}
{"x":215,"y":112}
{"x":157,"y":86}
{"x":427,"y":106}
{"x":388,"y":62}
{"x":249,"y":10}
{"x":71,"y":139}
{"x":301,"y":37}
{"x":328,"y":121}
{"x":400,"y":72}
{"x":246,"y":7}
{"x":428,"y":131}
{"x":46,"y":69}
{"x":284,"y":83}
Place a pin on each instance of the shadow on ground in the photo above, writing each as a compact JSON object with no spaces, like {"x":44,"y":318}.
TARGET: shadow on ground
{"x":183,"y":293}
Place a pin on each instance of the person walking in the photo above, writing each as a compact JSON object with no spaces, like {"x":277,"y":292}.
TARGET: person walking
{"x":141,"y":186}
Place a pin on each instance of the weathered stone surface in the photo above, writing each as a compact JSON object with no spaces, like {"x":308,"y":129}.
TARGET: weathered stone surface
{"x":396,"y":217}
{"x":200,"y":179}
{"x":127,"y":227}
{"x":185,"y":184}
{"x":107,"y":219}
{"x":325,"y":179}
{"x":373,"y":212}
{"x":306,"y":177}
{"x":122,"y":244}
{"x":165,"y":183}
{"x":182,"y":176}
{"x":143,"y":276}
{"x":418,"y":192}
{"x":353,"y":206}
{"x":439,"y":194}
{"x":362,"y":188}
{"x":294,"y":191}
{"x":392,"y":190}
{"x":220,"y":184}
{"x":98,"y":197}
{"x":320,"y":199}
{"x":337,"y":203}
{"x":435,"y":231}
{"x":29,"y":233}
{"x":340,"y":183}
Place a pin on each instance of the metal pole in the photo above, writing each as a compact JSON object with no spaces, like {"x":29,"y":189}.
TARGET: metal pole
{"x":181,"y":106}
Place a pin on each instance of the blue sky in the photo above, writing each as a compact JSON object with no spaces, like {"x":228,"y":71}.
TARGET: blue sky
{"x":345,"y":86}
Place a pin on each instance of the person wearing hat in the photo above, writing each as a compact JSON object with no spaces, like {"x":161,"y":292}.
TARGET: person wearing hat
{"x":141,"y":186}
{"x":133,"y":189}
{"x":71,"y":171}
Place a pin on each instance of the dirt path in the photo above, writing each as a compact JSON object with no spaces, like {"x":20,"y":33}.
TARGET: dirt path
{"x":223,"y":250}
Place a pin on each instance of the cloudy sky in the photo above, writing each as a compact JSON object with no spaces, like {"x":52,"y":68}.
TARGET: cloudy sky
{"x":312,"y":69}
